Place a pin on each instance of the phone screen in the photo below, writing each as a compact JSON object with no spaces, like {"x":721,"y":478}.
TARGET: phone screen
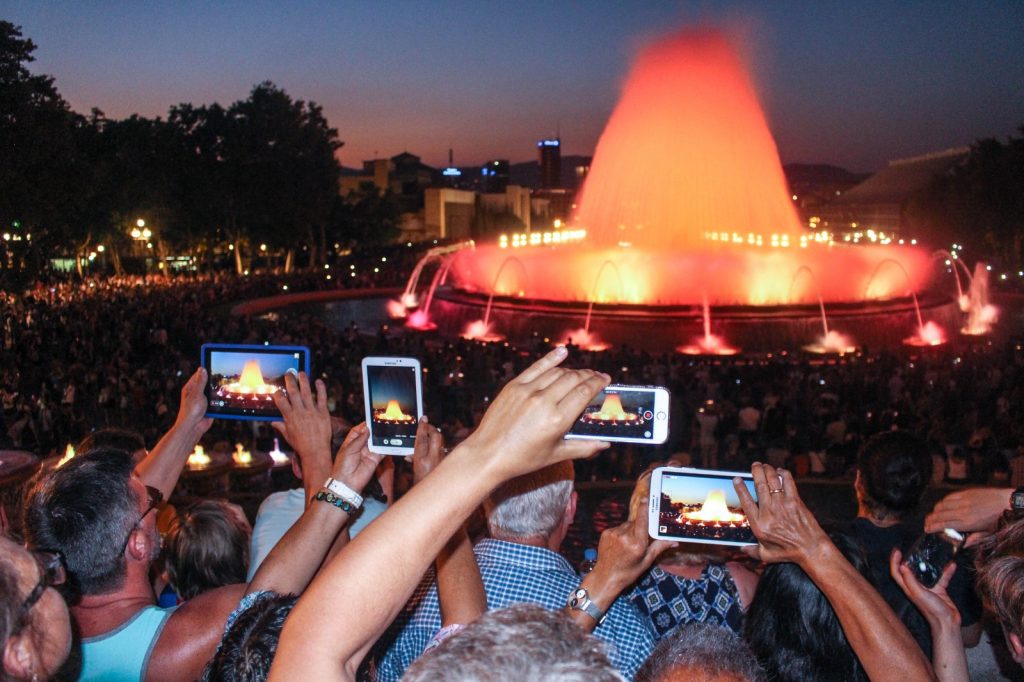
{"x":703,"y":507}
{"x":392,"y":392}
{"x":243,"y":380}
{"x":620,"y":413}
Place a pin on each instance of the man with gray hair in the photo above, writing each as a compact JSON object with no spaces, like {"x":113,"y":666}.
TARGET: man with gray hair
{"x":701,"y":652}
{"x":528,"y":518}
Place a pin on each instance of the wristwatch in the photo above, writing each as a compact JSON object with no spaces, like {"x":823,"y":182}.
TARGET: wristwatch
{"x":580,"y":601}
{"x":1017,"y":500}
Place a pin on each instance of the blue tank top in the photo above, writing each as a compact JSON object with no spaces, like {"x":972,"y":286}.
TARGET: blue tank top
{"x":122,"y":654}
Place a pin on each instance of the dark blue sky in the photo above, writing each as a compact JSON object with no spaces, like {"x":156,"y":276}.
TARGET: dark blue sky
{"x":849,"y":83}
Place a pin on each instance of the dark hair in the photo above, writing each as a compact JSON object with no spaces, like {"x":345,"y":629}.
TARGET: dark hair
{"x":895,"y":468}
{"x":206,"y":547}
{"x":112,"y":439}
{"x":701,"y":647}
{"x":792,"y":628}
{"x":247,"y":650}
{"x":85,"y":509}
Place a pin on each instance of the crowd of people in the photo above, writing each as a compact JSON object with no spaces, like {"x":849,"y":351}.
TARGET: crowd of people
{"x":450,"y":566}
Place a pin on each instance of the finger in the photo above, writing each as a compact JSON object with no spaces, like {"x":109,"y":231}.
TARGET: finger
{"x":975,"y":538}
{"x":282,"y":402}
{"x":947,"y":575}
{"x":305,"y":391}
{"x":578,"y":449}
{"x":746,"y":501}
{"x":578,"y":395}
{"x":552,"y":359}
{"x":895,"y":561}
{"x":761,"y":484}
{"x":291,"y":387}
{"x":656,"y":548}
{"x":281,"y":428}
{"x":196,"y":381}
{"x":321,"y":396}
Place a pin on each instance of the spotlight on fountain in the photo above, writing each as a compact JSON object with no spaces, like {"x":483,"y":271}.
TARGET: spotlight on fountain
{"x":420,"y":321}
{"x":832,"y":342}
{"x":585,"y":339}
{"x":709,"y":344}
{"x":981,"y":314}
{"x":396,"y":309}
{"x":480,"y":330}
{"x":928,"y":334}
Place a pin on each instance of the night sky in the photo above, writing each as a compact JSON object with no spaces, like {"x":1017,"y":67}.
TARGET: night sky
{"x":849,"y":83}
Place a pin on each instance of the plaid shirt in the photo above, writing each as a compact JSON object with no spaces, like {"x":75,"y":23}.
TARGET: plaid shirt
{"x":512,"y":574}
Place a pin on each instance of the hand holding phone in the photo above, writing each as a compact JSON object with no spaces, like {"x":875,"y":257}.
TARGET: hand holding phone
{"x":393,"y":398}
{"x":625,"y":414}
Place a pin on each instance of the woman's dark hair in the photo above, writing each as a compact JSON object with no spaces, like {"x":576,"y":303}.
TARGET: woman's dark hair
{"x":793,"y":630}
{"x":112,"y":439}
{"x":895,"y":469}
{"x":250,"y":643}
{"x":206,"y":547}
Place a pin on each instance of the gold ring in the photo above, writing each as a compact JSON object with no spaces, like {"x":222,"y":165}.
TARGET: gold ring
{"x":778,"y":490}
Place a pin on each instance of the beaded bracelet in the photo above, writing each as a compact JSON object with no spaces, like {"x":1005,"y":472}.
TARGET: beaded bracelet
{"x":330,"y":498}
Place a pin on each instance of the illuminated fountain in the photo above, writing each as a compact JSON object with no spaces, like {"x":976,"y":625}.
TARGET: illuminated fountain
{"x":241,"y":456}
{"x":279,"y":457}
{"x":611,"y":413}
{"x":250,"y":384}
{"x":714,"y":511}
{"x":686,"y":202}
{"x":981,"y":314}
{"x":392,"y":414}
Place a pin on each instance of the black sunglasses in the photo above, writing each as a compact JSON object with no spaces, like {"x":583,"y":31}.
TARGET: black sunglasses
{"x":155,"y":498}
{"x":51,"y":574}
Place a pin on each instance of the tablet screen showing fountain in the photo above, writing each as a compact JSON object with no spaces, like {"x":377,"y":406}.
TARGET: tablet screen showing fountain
{"x":244,"y":379}
{"x":703,"y":507}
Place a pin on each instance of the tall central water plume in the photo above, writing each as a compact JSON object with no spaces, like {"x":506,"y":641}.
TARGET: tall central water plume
{"x":686,"y":151}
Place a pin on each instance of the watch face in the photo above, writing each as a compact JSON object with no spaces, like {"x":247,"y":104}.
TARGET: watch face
{"x":579,"y":594}
{"x":1017,"y":499}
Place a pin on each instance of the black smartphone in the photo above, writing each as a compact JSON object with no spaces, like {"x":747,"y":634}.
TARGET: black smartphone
{"x":931,"y":553}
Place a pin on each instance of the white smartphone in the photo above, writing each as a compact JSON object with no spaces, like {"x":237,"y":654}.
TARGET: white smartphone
{"x":699,"y":505}
{"x":625,"y":414}
{"x":393,"y":395}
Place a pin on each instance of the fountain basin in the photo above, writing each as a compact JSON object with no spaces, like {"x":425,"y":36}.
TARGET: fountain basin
{"x":874,"y":324}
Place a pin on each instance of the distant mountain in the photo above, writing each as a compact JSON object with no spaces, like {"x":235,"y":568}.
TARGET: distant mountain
{"x":821,"y":174}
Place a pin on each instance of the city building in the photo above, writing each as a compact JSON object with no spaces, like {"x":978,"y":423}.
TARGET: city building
{"x":549,"y":153}
{"x":880,"y":202}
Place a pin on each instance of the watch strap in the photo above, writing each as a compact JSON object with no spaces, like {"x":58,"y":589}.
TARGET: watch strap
{"x":580,"y":600}
{"x":344,"y":492}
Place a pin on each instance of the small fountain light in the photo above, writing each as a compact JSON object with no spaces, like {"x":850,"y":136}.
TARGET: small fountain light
{"x":69,"y":453}
{"x":480,"y":331}
{"x":198,"y":459}
{"x":278,"y":456}
{"x":929,"y":334}
{"x":709,"y":344}
{"x":241,"y":455}
{"x":396,"y":310}
{"x":833,"y":342}
{"x":420,"y":321}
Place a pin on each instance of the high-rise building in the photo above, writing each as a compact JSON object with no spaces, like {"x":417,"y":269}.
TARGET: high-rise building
{"x":550,"y":157}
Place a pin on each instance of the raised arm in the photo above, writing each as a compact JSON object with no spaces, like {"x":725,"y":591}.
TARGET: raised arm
{"x":948,"y":657}
{"x":365,"y":586}
{"x":298,"y":555}
{"x":307,"y":428}
{"x":624,"y":553}
{"x":971,"y":510}
{"x":787,"y":532}
{"x":460,"y":589}
{"x":164,"y":463}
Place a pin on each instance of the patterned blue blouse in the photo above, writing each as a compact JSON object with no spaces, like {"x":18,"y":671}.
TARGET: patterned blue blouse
{"x":669,"y":602}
